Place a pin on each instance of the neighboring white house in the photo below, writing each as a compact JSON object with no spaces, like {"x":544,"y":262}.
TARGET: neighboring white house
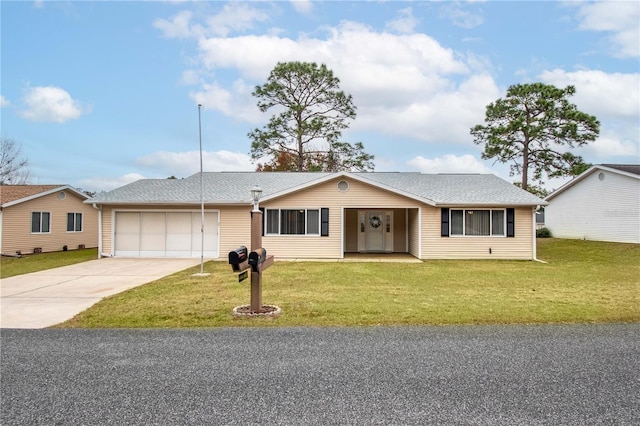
{"x":601,"y":204}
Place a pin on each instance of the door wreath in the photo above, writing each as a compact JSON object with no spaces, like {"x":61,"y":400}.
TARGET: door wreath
{"x":375,"y":221}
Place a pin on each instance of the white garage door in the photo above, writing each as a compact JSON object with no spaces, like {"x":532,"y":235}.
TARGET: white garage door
{"x":165,"y":234}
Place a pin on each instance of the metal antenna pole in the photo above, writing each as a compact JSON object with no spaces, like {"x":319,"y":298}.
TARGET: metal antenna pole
{"x":201,"y":196}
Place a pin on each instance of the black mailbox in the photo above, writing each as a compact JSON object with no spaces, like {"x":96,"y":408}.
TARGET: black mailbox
{"x":237,"y":257}
{"x":256,"y":257}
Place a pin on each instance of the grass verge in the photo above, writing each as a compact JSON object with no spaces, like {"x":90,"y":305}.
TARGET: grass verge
{"x":583,"y":281}
{"x":11,"y":266}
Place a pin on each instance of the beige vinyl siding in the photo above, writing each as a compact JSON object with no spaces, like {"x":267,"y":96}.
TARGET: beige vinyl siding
{"x":235,"y":228}
{"x":358,"y":196}
{"x":107,"y":230}
{"x":466,"y":247}
{"x":414,"y":232}
{"x":16,"y":225}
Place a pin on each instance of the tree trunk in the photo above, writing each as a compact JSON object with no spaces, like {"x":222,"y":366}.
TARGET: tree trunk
{"x":525,"y":164}
{"x":300,"y":152}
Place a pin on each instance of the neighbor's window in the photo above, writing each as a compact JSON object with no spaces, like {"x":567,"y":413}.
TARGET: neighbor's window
{"x":293,"y":221}
{"x":40,"y":222}
{"x":74,"y":222}
{"x":477,"y":222}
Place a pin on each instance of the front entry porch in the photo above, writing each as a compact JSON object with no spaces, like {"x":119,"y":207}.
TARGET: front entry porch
{"x":380,"y":257}
{"x":380,"y":231}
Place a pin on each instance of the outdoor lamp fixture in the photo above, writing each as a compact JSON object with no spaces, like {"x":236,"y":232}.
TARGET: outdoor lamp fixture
{"x":256,"y":193}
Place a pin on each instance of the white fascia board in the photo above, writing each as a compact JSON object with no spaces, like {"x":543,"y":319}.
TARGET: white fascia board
{"x":584,"y":175}
{"x":42,"y":194}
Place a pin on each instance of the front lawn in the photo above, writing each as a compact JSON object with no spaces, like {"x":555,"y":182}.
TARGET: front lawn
{"x":10,"y":266}
{"x":583,"y":281}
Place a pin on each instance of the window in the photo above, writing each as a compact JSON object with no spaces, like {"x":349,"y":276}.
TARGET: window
{"x":40,"y":222}
{"x":74,"y":222}
{"x":293,"y":222}
{"x":478,"y":222}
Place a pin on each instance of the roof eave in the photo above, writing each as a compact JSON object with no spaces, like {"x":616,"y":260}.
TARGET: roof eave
{"x":485,"y":205}
{"x":44,"y":193}
{"x":584,"y":175}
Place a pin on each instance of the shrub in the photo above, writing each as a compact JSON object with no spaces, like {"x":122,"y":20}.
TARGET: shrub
{"x":543,"y":233}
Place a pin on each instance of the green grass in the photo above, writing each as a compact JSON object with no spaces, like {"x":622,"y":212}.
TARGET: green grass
{"x":583,"y":281}
{"x":11,"y":266}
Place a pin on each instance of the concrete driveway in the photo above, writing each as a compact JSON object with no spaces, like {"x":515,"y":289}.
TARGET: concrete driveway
{"x":45,"y":298}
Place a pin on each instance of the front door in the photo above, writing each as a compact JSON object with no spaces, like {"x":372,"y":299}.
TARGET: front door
{"x":375,"y":231}
{"x":375,"y":237}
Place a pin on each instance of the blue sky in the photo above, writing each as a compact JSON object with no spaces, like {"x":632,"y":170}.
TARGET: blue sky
{"x":99,"y":94}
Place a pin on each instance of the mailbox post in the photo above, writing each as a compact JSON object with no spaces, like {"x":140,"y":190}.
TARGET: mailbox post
{"x":257,"y":259}
{"x":256,"y":276}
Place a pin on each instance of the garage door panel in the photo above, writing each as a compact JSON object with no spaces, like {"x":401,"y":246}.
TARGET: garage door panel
{"x":127,"y":234}
{"x":166,"y":234}
{"x":179,"y":223}
{"x":153,"y":234}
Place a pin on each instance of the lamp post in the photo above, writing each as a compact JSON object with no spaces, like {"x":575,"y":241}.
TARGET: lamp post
{"x":256,"y":193}
{"x":256,"y":243}
{"x":257,"y":260}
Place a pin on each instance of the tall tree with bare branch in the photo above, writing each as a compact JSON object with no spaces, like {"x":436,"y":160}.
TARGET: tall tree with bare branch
{"x":14,"y":167}
{"x":311,"y":113}
{"x":534,"y":129}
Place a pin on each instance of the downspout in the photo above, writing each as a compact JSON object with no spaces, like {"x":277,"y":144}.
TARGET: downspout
{"x":99,"y":208}
{"x":534,"y":234}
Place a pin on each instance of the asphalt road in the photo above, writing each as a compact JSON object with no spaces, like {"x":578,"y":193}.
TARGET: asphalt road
{"x":483,"y":375}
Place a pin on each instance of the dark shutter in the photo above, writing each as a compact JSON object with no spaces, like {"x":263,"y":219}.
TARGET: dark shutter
{"x":511,"y":223}
{"x":324,"y":222}
{"x":444,"y":222}
{"x":263,"y":218}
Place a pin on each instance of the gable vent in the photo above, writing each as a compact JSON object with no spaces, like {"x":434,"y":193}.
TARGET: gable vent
{"x":343,"y":186}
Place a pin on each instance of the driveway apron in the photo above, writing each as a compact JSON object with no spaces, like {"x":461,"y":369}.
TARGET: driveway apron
{"x":45,"y":298}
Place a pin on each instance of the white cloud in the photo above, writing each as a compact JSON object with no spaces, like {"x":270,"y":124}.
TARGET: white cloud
{"x":461,"y":16}
{"x":612,"y":98}
{"x":619,"y":18}
{"x":609,"y":146}
{"x":236,"y":102}
{"x":613,"y":95}
{"x":183,"y":164}
{"x":179,"y":26}
{"x":303,"y":6}
{"x":233,"y":17}
{"x":405,"y":85}
{"x":108,"y":183}
{"x":4,"y":102}
{"x":405,"y":23}
{"x":449,"y":164}
{"x":51,"y":104}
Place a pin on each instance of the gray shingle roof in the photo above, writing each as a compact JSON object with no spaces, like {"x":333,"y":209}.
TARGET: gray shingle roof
{"x":234,"y":187}
{"x":629,"y":168}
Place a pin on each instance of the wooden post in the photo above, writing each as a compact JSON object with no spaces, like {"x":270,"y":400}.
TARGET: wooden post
{"x":256,"y":277}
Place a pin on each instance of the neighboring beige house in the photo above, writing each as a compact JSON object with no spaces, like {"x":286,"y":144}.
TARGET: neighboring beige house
{"x":601,"y":204}
{"x":45,"y":218}
{"x":322,"y":215}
